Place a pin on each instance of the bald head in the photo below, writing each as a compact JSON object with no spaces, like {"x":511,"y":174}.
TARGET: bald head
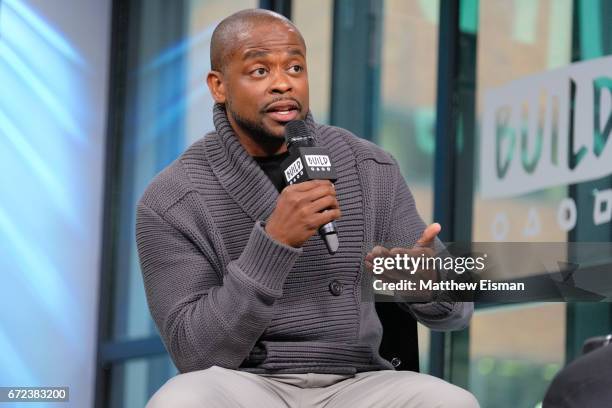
{"x":259,"y":74}
{"x":233,"y":30}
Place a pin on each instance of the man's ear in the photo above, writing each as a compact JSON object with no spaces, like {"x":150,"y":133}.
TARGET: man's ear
{"x":214,"y":79}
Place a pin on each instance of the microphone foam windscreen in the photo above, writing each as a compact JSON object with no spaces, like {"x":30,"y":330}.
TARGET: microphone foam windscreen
{"x":297,"y":132}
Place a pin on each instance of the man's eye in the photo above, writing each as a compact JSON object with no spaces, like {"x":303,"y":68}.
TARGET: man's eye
{"x":296,"y":68}
{"x":259,"y":72}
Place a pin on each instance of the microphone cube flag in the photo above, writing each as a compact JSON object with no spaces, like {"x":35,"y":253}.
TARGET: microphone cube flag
{"x":308,"y":163}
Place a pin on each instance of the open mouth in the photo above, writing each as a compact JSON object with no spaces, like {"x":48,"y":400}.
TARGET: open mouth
{"x":283,"y":111}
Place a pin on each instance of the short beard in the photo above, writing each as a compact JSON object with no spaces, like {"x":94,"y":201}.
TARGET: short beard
{"x":255,"y":130}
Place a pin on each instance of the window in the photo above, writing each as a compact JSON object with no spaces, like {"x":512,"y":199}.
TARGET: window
{"x":407,"y":108}
{"x":408,"y":93}
{"x":314,"y":20}
{"x":166,"y":107}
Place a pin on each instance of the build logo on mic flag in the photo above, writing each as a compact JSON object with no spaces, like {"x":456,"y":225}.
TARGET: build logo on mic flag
{"x":318,"y":162}
{"x":308,"y":163}
{"x":294,"y":171}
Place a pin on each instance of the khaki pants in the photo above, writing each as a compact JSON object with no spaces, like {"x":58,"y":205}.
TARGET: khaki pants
{"x":221,"y":387}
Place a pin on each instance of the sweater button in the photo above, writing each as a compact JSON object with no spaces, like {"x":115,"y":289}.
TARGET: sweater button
{"x":396,"y":362}
{"x":336,"y":287}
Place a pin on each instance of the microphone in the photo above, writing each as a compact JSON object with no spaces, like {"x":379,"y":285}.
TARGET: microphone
{"x":309,"y":162}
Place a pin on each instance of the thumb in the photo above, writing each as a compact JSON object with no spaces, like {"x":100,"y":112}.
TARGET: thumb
{"x":429,"y":235}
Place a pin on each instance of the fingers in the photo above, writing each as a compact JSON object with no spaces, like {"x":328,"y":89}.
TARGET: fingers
{"x":377,"y":251}
{"x":399,"y":251}
{"x":429,"y":235}
{"x":320,"y":192}
{"x":382,"y":252}
{"x":322,"y":218}
{"x":313,"y":191}
{"x":309,"y":185}
{"x":324,"y":203}
{"x":301,"y":209}
{"x":412,"y":252}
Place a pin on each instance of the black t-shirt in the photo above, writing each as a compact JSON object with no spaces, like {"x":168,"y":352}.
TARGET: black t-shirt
{"x":271,"y":166}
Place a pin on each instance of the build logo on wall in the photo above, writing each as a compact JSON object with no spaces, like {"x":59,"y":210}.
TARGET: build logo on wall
{"x":547,"y":130}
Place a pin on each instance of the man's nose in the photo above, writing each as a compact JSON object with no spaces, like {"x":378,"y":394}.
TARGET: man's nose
{"x":281,"y":83}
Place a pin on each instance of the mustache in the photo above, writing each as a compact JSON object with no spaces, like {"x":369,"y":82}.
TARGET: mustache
{"x":265,"y":108}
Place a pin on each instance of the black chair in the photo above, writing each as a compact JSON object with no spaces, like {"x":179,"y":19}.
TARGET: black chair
{"x":400,"y":343}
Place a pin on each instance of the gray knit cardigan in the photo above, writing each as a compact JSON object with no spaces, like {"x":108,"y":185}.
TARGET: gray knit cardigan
{"x":222,"y":292}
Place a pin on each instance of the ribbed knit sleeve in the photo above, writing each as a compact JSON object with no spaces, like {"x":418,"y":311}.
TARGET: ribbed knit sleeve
{"x":405,"y":228}
{"x":203,"y":318}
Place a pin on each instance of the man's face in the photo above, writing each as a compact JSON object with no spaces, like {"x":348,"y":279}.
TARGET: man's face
{"x":266,"y":82}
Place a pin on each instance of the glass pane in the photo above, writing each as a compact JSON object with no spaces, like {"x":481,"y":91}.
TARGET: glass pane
{"x":515,"y":352}
{"x":319,"y":47}
{"x":135,"y":381}
{"x":516,"y":39}
{"x":168,"y":108}
{"x":407,"y":108}
{"x":408,"y":93}
{"x":424,"y":338}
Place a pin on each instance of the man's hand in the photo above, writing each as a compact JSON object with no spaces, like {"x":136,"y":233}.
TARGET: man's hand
{"x":422,"y":248}
{"x":429,"y":236}
{"x":301,"y":209}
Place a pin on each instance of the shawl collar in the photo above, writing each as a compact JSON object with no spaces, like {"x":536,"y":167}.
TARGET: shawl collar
{"x":238,"y":173}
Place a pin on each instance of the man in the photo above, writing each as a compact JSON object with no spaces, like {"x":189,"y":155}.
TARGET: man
{"x":251,"y":306}
{"x":584,"y":382}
